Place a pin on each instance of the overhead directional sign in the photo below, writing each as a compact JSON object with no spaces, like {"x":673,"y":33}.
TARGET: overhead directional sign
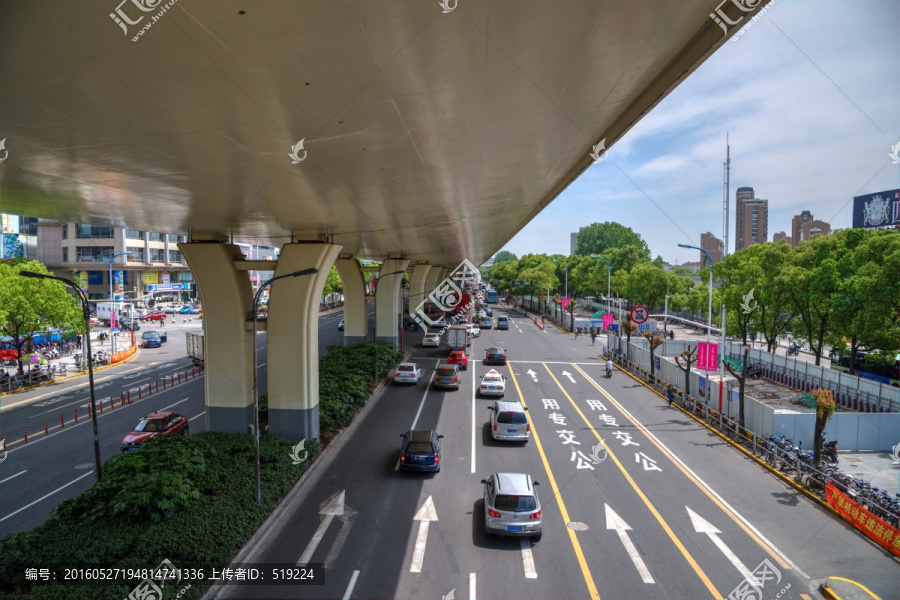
{"x":639,"y":314}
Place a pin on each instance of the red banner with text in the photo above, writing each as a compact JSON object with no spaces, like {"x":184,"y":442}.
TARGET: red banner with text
{"x":883,"y":534}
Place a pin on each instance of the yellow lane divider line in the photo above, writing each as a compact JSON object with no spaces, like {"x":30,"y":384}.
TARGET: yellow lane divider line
{"x":576,"y":545}
{"x":684,"y":551}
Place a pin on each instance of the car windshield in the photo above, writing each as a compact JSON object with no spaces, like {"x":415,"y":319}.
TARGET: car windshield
{"x":514,"y":503}
{"x":151,"y":334}
{"x":415,"y":447}
{"x":446,"y":372}
{"x":515,"y":418}
{"x":149,"y":426}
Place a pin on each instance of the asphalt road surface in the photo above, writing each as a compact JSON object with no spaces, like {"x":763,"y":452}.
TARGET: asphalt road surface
{"x":661,"y":509}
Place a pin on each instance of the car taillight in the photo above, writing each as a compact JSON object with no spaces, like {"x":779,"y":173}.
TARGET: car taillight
{"x":403,"y":457}
{"x":493,"y":513}
{"x":484,"y":387}
{"x":398,"y":374}
{"x":502,"y":356}
{"x":535,"y":515}
{"x":527,"y":426}
{"x":455,"y":378}
{"x":437,"y":457}
{"x":495,"y":426}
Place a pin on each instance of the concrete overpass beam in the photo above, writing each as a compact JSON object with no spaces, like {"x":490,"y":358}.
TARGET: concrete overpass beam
{"x":293,"y":340}
{"x":228,"y":351}
{"x":388,"y":308}
{"x":355,"y":301}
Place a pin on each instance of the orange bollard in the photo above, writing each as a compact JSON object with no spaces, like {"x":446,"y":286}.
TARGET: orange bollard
{"x":122,"y":399}
{"x":179,"y":378}
{"x":128,"y":396}
{"x":164,"y":382}
{"x":101,"y":406}
{"x":157,"y":386}
{"x":76,"y":416}
{"x":26,"y":434}
{"x":89,"y":411}
{"x":3,"y":439}
{"x":45,"y":427}
{"x":139,"y":393}
{"x":62,"y":421}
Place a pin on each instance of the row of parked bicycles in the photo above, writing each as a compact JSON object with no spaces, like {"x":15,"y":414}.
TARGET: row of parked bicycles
{"x":782,"y":454}
{"x":34,"y":376}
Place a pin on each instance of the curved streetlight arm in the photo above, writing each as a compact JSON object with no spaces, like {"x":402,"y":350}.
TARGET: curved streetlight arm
{"x":86,"y":311}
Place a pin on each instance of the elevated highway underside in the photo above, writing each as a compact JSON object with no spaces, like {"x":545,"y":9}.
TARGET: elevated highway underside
{"x":430,"y":134}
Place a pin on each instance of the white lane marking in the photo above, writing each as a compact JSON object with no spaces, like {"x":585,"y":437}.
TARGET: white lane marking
{"x":701,"y":525}
{"x":351,"y":585}
{"x":346,"y":523}
{"x":569,"y":375}
{"x":425,"y":395}
{"x":474,"y":426}
{"x":472,"y":586}
{"x":700,"y":481}
{"x":531,"y":374}
{"x":45,"y":496}
{"x":527,"y":558}
{"x":198,"y":416}
{"x":171,"y":405}
{"x":425,"y":515}
{"x":334,"y":507}
{"x":614,"y":521}
{"x":16,"y":475}
{"x":262,"y":364}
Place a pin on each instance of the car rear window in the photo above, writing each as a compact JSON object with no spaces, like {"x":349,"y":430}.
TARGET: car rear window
{"x":514,"y":503}
{"x":503,"y":318}
{"x":446,"y":372}
{"x":516,"y":418}
{"x":404,"y":368}
{"x":415,"y":447}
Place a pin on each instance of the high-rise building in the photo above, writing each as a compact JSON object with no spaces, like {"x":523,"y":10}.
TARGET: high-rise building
{"x":781,"y":235}
{"x":28,"y":225}
{"x":8,"y":223}
{"x":573,"y":243}
{"x":796,"y":223}
{"x":814,"y":227}
{"x":751,"y":223}
{"x":713,"y":245}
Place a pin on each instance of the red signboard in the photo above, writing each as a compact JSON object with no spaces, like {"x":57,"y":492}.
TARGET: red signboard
{"x":639,"y":314}
{"x":881,"y":533}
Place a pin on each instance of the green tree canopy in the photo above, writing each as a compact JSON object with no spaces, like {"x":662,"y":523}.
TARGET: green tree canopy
{"x":32,"y":305}
{"x":504,"y":255}
{"x":598,"y":238}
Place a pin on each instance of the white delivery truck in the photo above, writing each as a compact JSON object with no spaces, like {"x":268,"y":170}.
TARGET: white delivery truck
{"x":124,"y":312}
{"x":458,"y":337}
{"x":195,"y":346}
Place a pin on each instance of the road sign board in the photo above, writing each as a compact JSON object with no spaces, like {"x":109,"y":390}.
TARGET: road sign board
{"x":644,"y":327}
{"x":639,"y":314}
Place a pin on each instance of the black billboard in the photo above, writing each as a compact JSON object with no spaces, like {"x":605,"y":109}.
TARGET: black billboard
{"x":877,"y":211}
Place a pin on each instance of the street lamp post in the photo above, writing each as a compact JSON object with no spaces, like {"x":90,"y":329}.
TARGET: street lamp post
{"x":112,"y":296}
{"x":375,"y":316}
{"x":256,"y":370}
{"x":566,"y":293}
{"x":608,"y":279}
{"x":86,"y":311}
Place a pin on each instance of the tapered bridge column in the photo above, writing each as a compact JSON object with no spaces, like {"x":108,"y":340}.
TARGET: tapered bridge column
{"x":388,"y":309}
{"x":355,"y":301}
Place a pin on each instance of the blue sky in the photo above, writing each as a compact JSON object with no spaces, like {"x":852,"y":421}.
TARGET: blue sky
{"x":809,"y":95}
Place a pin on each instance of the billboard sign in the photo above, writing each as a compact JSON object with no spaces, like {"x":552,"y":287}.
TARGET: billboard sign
{"x":877,"y":211}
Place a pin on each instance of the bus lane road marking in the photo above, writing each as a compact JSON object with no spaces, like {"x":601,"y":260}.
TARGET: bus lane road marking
{"x":659,"y":518}
{"x":735,"y":516}
{"x":573,"y":538}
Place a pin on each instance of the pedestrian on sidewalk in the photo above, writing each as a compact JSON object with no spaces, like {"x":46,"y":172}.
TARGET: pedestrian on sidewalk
{"x":593,"y":335}
{"x":577,"y":331}
{"x":78,"y":341}
{"x":670,"y":390}
{"x":162,"y":322}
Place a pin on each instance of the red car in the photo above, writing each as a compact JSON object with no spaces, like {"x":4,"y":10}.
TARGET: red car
{"x":152,"y":425}
{"x":155,"y":315}
{"x":458,"y":357}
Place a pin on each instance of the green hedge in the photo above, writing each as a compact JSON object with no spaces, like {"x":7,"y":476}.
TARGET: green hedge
{"x":186,"y":499}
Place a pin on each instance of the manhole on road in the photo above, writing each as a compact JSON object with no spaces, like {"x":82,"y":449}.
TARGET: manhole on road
{"x":577,"y":526}
{"x":84,"y":466}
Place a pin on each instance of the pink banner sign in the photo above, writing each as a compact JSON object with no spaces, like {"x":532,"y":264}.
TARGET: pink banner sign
{"x":564,"y":302}
{"x":701,"y":356}
{"x":607,"y":320}
{"x":712,"y":361}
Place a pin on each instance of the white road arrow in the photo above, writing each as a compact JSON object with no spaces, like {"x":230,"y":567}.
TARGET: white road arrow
{"x":533,"y":374}
{"x":569,"y":375}
{"x":333,"y":508}
{"x":701,"y":525}
{"x":614,"y":521}
{"x":424,"y":516}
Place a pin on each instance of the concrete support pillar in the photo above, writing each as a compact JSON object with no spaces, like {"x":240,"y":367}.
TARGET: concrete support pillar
{"x":355,"y":301}
{"x":432,"y":277}
{"x":228,"y":351}
{"x":417,"y":286}
{"x":387,"y":308}
{"x":293,"y":340}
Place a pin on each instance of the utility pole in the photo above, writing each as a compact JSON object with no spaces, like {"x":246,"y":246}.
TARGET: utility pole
{"x":725,"y":206}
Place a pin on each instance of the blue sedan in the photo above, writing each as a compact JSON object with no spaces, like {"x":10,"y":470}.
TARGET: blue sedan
{"x":184,"y":310}
{"x":151,"y":339}
{"x":420,"y":450}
